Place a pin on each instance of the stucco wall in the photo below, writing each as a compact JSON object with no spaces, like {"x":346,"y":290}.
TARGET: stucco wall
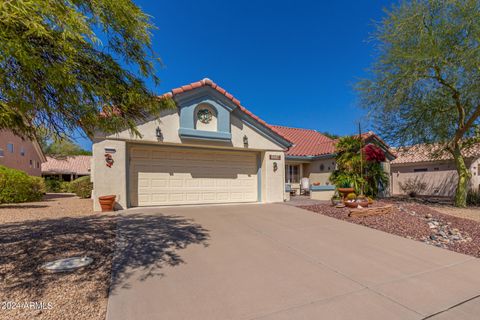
{"x":440,"y":179}
{"x":314,"y":172}
{"x":109,"y":181}
{"x":16,"y":160}
{"x":475,"y":169}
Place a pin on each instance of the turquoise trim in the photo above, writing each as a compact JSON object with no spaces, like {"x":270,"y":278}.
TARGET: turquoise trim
{"x":204,"y":135}
{"x":187,"y":102}
{"x":259,"y":178}
{"x":188,"y":116}
{"x":321,"y":188}
{"x":325,"y":156}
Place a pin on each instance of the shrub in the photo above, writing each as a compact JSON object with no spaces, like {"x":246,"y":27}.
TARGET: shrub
{"x":412,"y":187}
{"x":56,"y":185}
{"x":82,"y":187}
{"x":17,"y":186}
{"x":473,"y":197}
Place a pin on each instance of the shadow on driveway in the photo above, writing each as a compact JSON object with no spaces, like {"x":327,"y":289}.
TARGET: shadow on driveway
{"x":26,"y":245}
{"x":148,"y":242}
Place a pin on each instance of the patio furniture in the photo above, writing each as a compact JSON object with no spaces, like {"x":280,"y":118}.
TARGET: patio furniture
{"x":305,"y":186}
{"x":288,"y":188}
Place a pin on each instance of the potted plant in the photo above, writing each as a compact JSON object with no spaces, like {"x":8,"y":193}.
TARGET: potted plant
{"x":107,"y":202}
{"x":336,"y":200}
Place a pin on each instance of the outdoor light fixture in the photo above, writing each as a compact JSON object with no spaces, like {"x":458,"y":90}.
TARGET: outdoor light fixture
{"x":245,"y":140}
{"x":158,"y":132}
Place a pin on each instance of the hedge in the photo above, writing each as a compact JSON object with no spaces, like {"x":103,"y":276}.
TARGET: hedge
{"x":57,"y":186}
{"x":17,"y":186}
{"x":82,"y":187}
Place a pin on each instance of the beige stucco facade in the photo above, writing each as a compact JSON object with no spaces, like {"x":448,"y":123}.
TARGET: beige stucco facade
{"x":21,"y":154}
{"x":439,"y":177}
{"x":317,"y":171}
{"x":115,"y":179}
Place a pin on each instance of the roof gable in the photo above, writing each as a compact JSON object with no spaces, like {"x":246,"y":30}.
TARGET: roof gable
{"x":175,"y":93}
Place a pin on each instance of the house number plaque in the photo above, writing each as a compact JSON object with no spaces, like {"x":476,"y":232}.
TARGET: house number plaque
{"x":275,"y":157}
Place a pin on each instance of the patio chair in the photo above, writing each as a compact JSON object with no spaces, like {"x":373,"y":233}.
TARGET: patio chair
{"x":288,"y":188}
{"x":305,"y":186}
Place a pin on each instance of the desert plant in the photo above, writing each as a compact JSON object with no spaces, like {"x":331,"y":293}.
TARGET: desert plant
{"x":473,"y":197}
{"x":17,"y":186}
{"x":82,"y":187}
{"x":351,"y":196}
{"x":369,"y":177}
{"x":412,"y":187}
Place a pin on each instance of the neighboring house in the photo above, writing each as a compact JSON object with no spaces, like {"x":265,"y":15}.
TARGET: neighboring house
{"x":210,"y":149}
{"x":21,"y":154}
{"x":417,"y":164}
{"x":66,"y":168}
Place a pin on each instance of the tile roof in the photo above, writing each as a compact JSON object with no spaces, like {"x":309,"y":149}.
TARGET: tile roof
{"x":73,"y":164}
{"x":307,"y":142}
{"x":229,"y":96}
{"x":429,"y":153}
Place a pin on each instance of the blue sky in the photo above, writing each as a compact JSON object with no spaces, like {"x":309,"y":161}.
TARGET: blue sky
{"x":292,"y":63}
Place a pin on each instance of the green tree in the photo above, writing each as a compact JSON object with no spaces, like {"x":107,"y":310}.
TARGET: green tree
{"x":62,"y":62}
{"x":65,"y":147}
{"x":425,"y":83}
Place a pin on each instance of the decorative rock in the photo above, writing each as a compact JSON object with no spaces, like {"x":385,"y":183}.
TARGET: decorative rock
{"x":433,"y":237}
{"x":428,"y":216}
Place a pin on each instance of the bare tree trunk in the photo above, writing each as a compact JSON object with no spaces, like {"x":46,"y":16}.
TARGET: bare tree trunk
{"x":464,"y":176}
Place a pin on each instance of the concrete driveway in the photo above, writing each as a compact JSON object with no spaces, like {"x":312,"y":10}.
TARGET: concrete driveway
{"x":281,"y":262}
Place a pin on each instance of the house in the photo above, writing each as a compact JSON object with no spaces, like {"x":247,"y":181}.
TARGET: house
{"x":210,"y":149}
{"x":432,"y":171}
{"x":66,"y":168}
{"x":312,"y":156}
{"x":20,"y":153}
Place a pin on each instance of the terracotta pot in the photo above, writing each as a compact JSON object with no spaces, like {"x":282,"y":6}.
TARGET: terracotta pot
{"x":106,"y":203}
{"x":345,"y":191}
{"x":363,"y":204}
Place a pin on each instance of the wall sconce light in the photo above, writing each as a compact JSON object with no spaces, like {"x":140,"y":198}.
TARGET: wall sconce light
{"x":245,"y":140}
{"x":158,"y":132}
{"x":275,"y":167}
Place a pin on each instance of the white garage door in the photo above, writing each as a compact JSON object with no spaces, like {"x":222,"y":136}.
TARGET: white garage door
{"x":174,"y":175}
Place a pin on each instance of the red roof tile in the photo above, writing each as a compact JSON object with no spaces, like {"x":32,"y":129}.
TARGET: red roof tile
{"x":307,"y":142}
{"x":213,"y":85}
{"x":74,"y":164}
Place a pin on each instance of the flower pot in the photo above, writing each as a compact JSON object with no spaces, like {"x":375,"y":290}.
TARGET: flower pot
{"x":345,"y":191}
{"x":355,"y":204}
{"x":106,"y":203}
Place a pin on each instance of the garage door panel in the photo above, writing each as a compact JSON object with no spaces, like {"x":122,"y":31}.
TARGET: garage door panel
{"x":165,"y":175}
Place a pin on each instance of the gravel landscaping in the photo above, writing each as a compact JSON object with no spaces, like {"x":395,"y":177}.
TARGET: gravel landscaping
{"x":418,"y":222}
{"x":61,"y":226}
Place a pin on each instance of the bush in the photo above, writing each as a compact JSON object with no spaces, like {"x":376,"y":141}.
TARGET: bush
{"x":412,"y":187}
{"x":57,"y":185}
{"x":473,"y":197}
{"x":17,"y":186}
{"x":82,"y":187}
